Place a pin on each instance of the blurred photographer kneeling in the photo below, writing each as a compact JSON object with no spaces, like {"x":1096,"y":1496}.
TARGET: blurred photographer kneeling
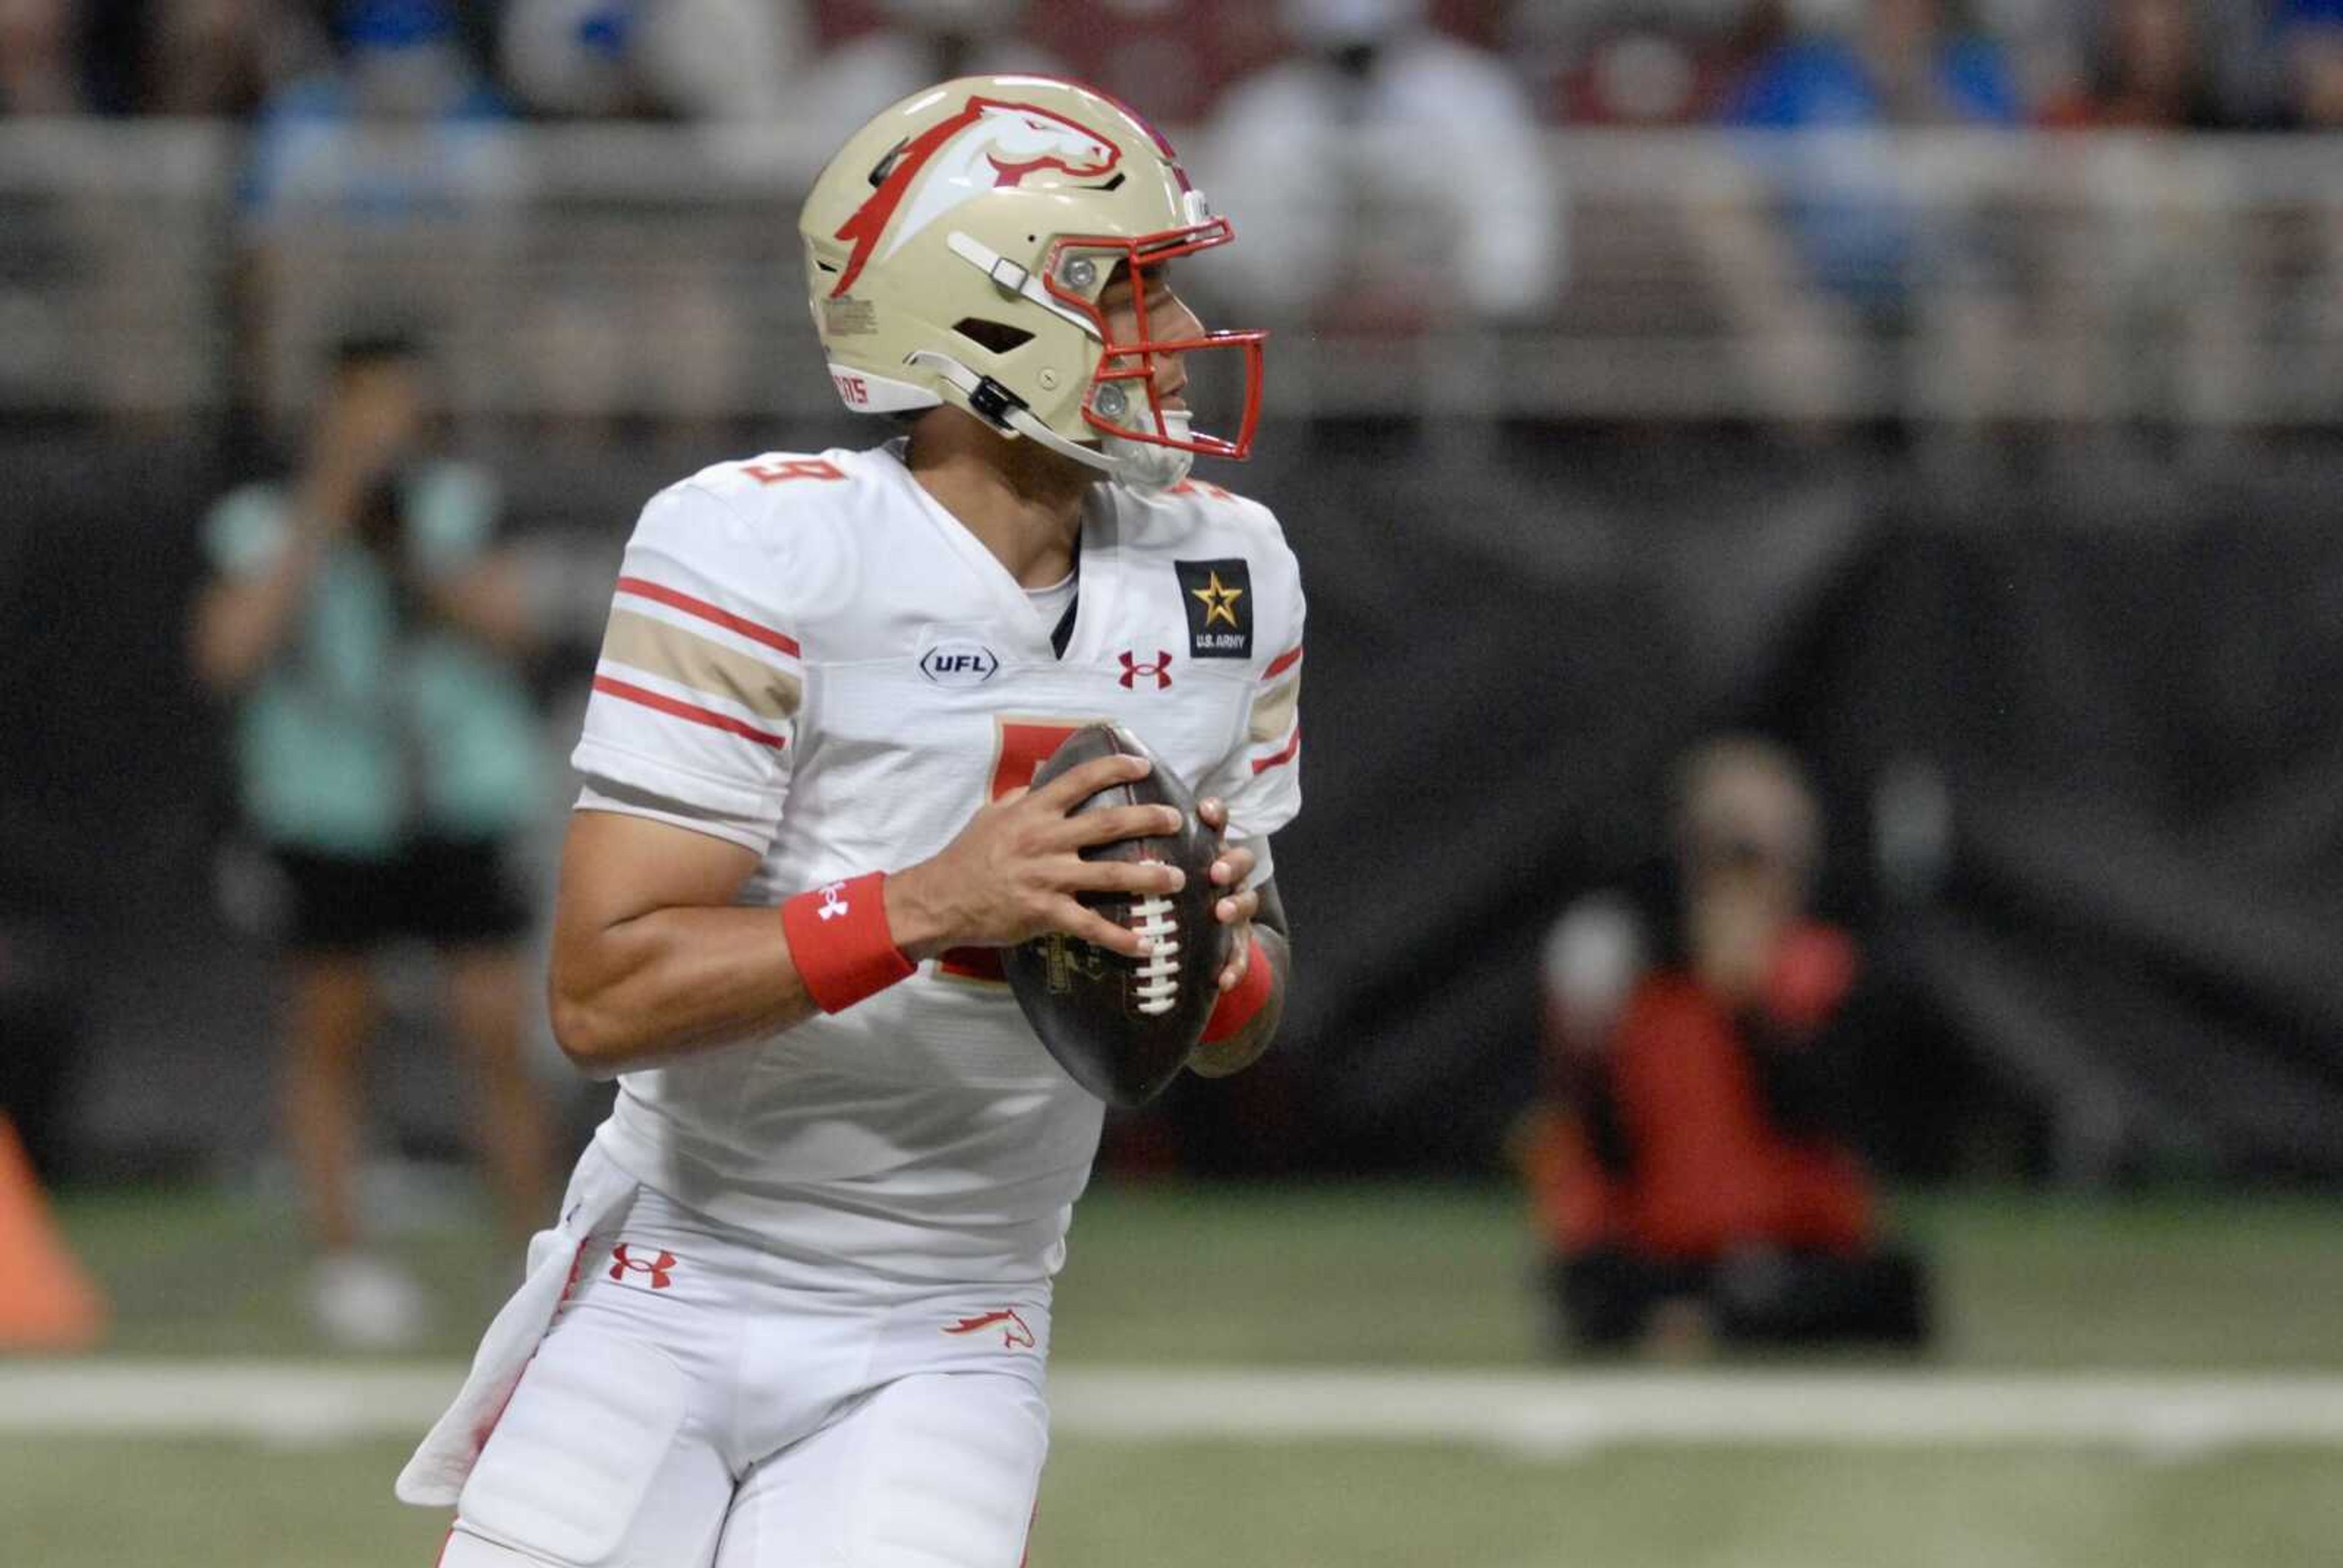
{"x":1692,"y":1161}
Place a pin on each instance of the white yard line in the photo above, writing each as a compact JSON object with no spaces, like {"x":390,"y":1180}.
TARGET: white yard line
{"x":1564,"y":1411}
{"x":1530,"y":1412}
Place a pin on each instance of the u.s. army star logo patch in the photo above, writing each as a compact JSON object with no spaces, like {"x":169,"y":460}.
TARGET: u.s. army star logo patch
{"x":1218,"y":597}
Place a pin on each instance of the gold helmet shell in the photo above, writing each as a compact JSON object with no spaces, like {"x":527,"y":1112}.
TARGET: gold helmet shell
{"x":956,"y":248}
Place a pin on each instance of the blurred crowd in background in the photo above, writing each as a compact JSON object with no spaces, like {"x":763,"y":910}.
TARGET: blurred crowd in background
{"x":2181,"y":64}
{"x":1426,"y":170}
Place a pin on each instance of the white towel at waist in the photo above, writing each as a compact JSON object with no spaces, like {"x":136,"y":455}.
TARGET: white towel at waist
{"x":434,"y":1476}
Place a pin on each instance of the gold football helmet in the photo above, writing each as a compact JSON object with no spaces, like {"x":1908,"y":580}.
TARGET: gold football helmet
{"x":956,"y":249}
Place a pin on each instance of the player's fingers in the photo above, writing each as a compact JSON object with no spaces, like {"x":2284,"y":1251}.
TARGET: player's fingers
{"x":1076,"y":784}
{"x":1119,"y":822}
{"x":1214,"y":812}
{"x":1075,"y":920}
{"x":1079,"y":875}
{"x":1237,"y":907}
{"x":1232,"y":974}
{"x":1233,"y":865}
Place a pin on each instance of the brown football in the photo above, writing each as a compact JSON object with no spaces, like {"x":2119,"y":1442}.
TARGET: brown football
{"x":1122,"y":1028}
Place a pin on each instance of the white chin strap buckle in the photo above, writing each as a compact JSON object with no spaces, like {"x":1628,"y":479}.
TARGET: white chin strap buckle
{"x":1141,"y":465}
{"x":1150,"y":465}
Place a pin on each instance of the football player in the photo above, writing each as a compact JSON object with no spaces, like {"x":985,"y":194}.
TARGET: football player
{"x":796,"y":1307}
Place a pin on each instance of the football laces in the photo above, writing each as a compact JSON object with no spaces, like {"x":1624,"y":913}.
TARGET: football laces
{"x":1155,"y":916}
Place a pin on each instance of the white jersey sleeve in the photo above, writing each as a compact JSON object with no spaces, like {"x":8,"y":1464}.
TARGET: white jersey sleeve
{"x":696,"y":695}
{"x":1261,"y":779}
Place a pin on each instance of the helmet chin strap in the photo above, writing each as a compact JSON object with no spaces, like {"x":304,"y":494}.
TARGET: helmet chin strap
{"x":1149,"y":464}
{"x":1141,"y":465}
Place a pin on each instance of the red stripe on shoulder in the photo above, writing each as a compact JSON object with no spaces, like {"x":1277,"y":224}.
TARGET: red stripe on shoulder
{"x":1263,"y":764}
{"x":1282,"y":662}
{"x":643,"y":587}
{"x":626,"y":691}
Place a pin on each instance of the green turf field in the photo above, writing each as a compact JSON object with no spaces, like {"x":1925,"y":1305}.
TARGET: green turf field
{"x":1348,"y":1277}
{"x":1110,"y":1505}
{"x":1344,"y":1275}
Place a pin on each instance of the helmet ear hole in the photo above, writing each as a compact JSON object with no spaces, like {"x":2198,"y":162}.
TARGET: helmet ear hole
{"x":993,"y":337}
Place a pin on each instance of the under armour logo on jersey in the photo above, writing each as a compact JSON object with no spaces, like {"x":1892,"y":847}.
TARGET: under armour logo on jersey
{"x":1015,"y":1334}
{"x":832,"y":906}
{"x":1133,"y":668}
{"x":660,"y":1269}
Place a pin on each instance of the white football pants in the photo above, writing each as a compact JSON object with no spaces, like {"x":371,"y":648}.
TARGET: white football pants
{"x":700,"y":1402}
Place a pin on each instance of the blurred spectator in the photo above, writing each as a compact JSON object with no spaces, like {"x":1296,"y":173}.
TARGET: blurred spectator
{"x":2149,"y":70}
{"x":2156,"y":288}
{"x":1831,"y":253}
{"x":1908,"y":64}
{"x":377,"y":186}
{"x":222,"y":59}
{"x":1171,"y":59}
{"x":685,"y":59}
{"x":1626,"y":62}
{"x":923,"y":42}
{"x":608,"y":326}
{"x":40,"y":58}
{"x":388,"y":757}
{"x":1693,"y":1167}
{"x":1387,"y":175}
{"x":2309,"y":313}
{"x":403,"y":75}
{"x":2310,"y":36}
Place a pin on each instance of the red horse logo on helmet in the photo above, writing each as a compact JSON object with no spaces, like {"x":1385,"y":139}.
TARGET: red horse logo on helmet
{"x":990,"y":144}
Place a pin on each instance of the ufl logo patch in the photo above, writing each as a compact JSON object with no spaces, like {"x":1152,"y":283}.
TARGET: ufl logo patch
{"x":1218,"y":597}
{"x":958,"y":663}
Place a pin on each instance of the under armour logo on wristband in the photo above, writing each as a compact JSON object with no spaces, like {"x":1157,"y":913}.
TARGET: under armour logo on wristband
{"x":843,"y":946}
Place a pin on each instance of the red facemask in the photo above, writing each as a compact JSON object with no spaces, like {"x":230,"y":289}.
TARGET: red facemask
{"x":1122,"y":400}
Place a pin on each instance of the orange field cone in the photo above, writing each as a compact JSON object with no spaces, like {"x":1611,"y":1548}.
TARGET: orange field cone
{"x":46,"y":1301}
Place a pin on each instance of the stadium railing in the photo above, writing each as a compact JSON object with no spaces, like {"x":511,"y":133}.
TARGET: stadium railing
{"x":172,"y":269}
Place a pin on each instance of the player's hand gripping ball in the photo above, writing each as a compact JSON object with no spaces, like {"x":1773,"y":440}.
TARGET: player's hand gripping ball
{"x":1121,"y":1026}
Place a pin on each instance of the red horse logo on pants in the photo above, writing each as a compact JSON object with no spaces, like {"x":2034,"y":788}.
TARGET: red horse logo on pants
{"x":1015,"y":1333}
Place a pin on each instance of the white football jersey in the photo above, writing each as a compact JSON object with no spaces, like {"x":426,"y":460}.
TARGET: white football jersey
{"x":810,"y":657}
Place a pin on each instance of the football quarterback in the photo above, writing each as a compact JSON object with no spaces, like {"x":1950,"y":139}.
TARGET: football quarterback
{"x":796,"y":1307}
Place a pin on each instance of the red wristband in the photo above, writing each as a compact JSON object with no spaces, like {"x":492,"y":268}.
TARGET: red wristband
{"x":1237,"y":1007}
{"x":839,"y":942}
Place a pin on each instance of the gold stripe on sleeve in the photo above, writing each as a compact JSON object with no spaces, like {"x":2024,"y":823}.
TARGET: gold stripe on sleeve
{"x":705,"y":666}
{"x":1273,"y":711}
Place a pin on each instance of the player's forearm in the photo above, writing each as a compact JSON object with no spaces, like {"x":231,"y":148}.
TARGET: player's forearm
{"x":671,"y":983}
{"x":1220,"y":1058}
